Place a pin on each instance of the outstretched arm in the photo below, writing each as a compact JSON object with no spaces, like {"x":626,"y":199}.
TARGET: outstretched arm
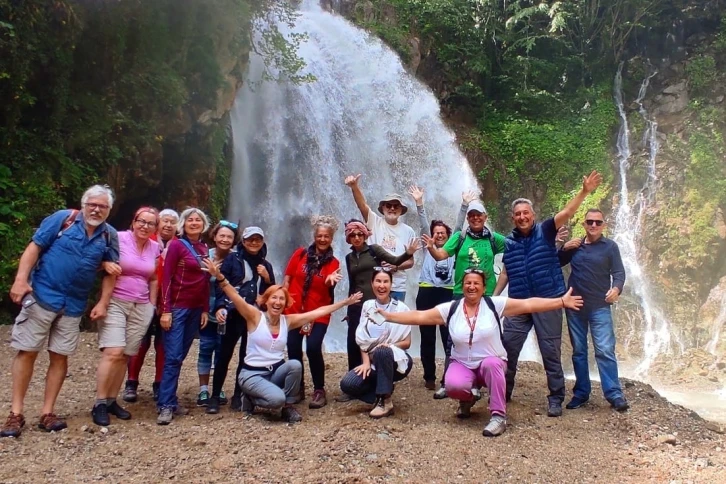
{"x":589,"y":184}
{"x":430,"y":317}
{"x":438,"y":253}
{"x":515,"y":307}
{"x":249,"y":312}
{"x":358,"y":197}
{"x":295,"y":321}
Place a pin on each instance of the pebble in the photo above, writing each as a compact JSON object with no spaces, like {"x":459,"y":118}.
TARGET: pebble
{"x":384,"y":436}
{"x":667,"y":439}
{"x":84,"y":428}
{"x":372,"y":457}
{"x":104,"y":430}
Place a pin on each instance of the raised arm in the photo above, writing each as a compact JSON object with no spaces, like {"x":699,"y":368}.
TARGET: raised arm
{"x":502,"y":282}
{"x":249,"y":312}
{"x":589,"y":184}
{"x":358,"y":197}
{"x":417,"y":194}
{"x":515,"y":307}
{"x":466,"y":198}
{"x":295,"y":321}
{"x":430,"y":317}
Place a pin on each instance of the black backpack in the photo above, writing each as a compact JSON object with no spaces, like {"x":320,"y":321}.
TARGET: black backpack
{"x":488,"y":301}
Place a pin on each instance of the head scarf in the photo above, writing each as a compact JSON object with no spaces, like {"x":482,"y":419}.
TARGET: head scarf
{"x":350,"y":227}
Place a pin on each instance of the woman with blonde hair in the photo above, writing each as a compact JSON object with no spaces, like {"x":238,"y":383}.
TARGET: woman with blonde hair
{"x":311,"y":276}
{"x":266,"y":379}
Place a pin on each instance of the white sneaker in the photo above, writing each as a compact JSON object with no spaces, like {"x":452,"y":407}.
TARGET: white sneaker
{"x":496,"y":426}
{"x":165,"y":416}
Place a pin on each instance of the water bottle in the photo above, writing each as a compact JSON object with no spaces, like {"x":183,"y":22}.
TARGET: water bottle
{"x":222,"y":326}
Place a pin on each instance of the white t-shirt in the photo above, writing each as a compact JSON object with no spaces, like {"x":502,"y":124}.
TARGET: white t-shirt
{"x":262,"y":348}
{"x":393,"y":238}
{"x":486,"y":340}
{"x":377,"y":330}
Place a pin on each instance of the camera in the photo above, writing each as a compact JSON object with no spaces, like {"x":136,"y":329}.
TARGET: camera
{"x":442,"y":273}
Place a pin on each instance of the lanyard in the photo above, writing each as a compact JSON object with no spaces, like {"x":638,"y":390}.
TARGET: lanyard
{"x":471,"y":323}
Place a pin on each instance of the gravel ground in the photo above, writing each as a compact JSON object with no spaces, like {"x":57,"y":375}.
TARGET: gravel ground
{"x":424,"y":442}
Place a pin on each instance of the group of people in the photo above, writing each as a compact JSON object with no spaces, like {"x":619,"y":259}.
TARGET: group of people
{"x":162,"y":281}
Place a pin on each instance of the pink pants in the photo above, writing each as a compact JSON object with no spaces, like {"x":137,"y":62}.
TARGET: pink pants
{"x":460,"y":380}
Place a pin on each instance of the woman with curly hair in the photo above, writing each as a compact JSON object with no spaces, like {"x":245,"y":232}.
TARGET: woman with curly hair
{"x":311,"y":276}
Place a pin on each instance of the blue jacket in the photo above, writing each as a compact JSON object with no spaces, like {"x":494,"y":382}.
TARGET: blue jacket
{"x":532,"y":264}
{"x":247,"y":282}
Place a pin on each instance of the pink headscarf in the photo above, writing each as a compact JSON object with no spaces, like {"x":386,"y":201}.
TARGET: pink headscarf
{"x":354,"y":225}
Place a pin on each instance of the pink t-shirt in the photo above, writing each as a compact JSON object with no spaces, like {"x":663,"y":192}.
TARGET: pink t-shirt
{"x":136,"y":268}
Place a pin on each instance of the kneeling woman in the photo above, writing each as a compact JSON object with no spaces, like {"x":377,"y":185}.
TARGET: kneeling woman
{"x":382,"y":345}
{"x":266,"y":379}
{"x":478,"y":357}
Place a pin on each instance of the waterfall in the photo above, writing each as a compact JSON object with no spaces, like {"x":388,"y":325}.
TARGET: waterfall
{"x":294,"y":144}
{"x":716,"y":328}
{"x":656,"y":331}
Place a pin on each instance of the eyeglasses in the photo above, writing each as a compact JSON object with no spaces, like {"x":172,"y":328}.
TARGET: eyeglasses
{"x":357,"y":234}
{"x":145,"y":223}
{"x":231,"y":225}
{"x":382,"y":269}
{"x":392,"y":205}
{"x":594,"y":222}
{"x":96,"y":206}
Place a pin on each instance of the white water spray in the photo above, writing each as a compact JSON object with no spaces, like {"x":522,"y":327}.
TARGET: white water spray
{"x":294,"y":144}
{"x":656,"y":330}
{"x":717,"y":328}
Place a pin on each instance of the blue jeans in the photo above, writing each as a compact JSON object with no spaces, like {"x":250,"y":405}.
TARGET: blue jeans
{"x":177,"y":341}
{"x":209,"y":347}
{"x":600,"y":323}
{"x":399,"y":295}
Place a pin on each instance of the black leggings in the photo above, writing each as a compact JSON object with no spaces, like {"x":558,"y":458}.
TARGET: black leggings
{"x":354,"y":357}
{"x":428,"y":298}
{"x":314,"y":350}
{"x":236,"y":329}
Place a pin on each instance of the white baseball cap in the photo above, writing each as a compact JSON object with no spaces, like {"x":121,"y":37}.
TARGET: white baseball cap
{"x":476,"y":206}
{"x":250,"y":231}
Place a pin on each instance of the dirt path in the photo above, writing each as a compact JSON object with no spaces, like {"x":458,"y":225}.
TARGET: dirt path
{"x":423,"y":442}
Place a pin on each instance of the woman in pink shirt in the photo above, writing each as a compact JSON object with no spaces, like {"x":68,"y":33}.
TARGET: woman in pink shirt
{"x":129,"y":308}
{"x":185,"y":305}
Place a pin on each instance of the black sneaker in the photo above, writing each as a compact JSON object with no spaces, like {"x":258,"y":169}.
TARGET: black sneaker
{"x":576,"y":402}
{"x":130,"y":391}
{"x":223,"y":398}
{"x":118,"y":411}
{"x":620,"y":404}
{"x":554,"y":410}
{"x":291,"y":415}
{"x":100,"y":415}
{"x":155,"y":390}
{"x":236,"y":403}
{"x":213,"y":405}
{"x":203,"y":399}
{"x":248,"y":407}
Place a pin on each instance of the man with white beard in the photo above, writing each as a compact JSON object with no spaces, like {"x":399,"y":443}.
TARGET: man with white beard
{"x":64,"y":257}
{"x":387,"y":231}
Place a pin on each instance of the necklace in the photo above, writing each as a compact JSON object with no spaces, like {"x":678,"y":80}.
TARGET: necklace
{"x":471,"y":322}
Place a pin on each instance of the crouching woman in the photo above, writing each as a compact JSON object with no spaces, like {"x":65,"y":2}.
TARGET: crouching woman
{"x":267,"y":380}
{"x":478,"y":358}
{"x":382,"y":346}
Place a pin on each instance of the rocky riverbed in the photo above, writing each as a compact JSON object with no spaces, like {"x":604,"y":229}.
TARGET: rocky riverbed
{"x":424,"y":442}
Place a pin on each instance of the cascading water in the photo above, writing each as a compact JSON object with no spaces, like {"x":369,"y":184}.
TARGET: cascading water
{"x":717,"y":328}
{"x":294,"y":144}
{"x":656,"y":332}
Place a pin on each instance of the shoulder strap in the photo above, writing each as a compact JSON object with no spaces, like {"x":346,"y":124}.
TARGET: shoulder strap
{"x":452,"y":309}
{"x":191,"y":249}
{"x":490,"y":303}
{"x":68,"y":222}
{"x":462,"y":237}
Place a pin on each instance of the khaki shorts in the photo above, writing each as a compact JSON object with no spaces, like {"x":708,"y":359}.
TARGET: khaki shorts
{"x":35,"y":324}
{"x":125,"y":325}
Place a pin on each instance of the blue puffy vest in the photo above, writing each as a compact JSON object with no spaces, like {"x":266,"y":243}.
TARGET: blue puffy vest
{"x":532,"y":265}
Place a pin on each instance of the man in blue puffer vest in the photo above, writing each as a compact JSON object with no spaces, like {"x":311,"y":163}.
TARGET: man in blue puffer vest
{"x":532,"y":268}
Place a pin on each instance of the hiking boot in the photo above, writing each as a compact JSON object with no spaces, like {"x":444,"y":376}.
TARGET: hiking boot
{"x":223,"y":398}
{"x":620,"y":404}
{"x":496,"y":426}
{"x":213,"y":406}
{"x":203,"y":399}
{"x":165,"y":416}
{"x":248,"y":407}
{"x":99,"y":413}
{"x":464,"y":410}
{"x":155,"y":390}
{"x":318,"y":400}
{"x":576,"y":402}
{"x":50,"y":422}
{"x":290,"y":414}
{"x":130,"y":393}
{"x":440,"y":394}
{"x":118,"y":411}
{"x":430,"y":385}
{"x":236,"y":403}
{"x":180,"y":411}
{"x":343,"y":397}
{"x":13,"y":425}
{"x":382,"y":408}
{"x":554,"y":409}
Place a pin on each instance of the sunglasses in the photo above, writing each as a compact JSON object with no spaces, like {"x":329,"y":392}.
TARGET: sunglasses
{"x":381,"y":269}
{"x":231,"y":225}
{"x":474,"y":270}
{"x":594,"y":222}
{"x":392,"y":205}
{"x":357,"y":234}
